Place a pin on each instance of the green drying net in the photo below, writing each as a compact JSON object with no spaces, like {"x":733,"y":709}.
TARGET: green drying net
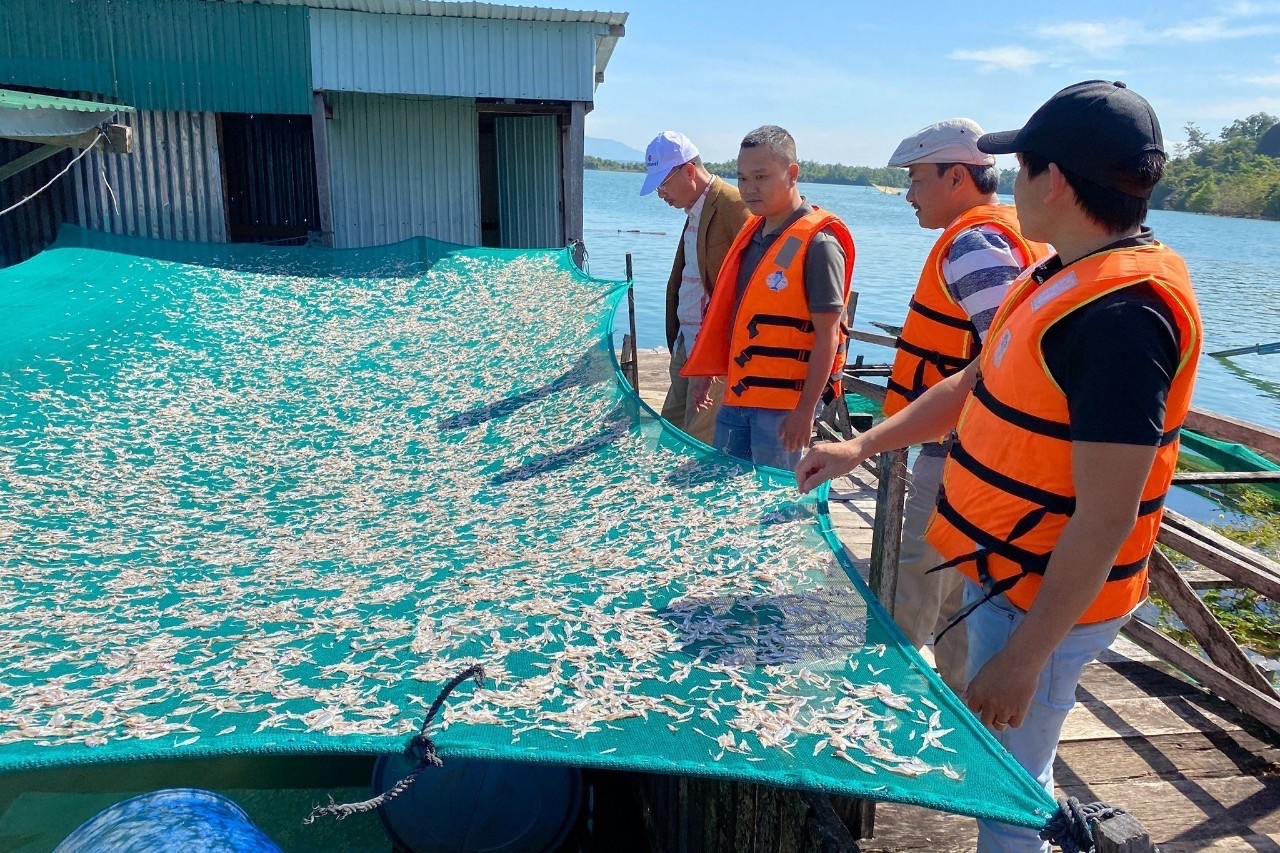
{"x":270,"y":500}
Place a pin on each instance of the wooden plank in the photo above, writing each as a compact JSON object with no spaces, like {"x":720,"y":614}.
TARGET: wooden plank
{"x":1230,"y":429}
{"x":1204,"y":627}
{"x":1189,"y":755}
{"x":324,"y":187}
{"x":119,"y":139}
{"x":794,"y":816}
{"x":31,"y":158}
{"x":745,"y":825}
{"x":1143,"y":716}
{"x":1103,"y":682}
{"x":1220,"y":561}
{"x":827,"y":830}
{"x":1202,"y":478}
{"x":768,"y":819}
{"x":1256,"y":704}
{"x":1195,"y":810}
{"x":870,"y":390}
{"x":871,"y":338}
{"x":1199,"y":531}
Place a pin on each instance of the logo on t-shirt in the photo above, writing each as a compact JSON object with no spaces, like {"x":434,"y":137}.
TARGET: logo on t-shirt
{"x":776,"y":280}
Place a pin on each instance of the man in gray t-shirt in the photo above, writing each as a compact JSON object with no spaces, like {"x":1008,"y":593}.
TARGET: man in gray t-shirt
{"x":775,"y":330}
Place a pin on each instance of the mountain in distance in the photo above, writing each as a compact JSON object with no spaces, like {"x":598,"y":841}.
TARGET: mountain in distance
{"x":611,"y":149}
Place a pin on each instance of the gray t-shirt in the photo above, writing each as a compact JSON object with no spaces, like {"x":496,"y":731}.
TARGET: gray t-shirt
{"x":823,"y":265}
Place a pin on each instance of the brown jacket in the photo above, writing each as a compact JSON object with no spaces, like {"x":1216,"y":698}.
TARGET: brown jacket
{"x":723,"y":214}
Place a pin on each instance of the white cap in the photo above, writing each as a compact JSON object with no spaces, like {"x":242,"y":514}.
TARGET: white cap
{"x":952,"y":141}
{"x":667,"y":150}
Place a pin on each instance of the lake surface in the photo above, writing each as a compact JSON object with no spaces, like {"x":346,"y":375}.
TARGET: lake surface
{"x":1234,"y":263}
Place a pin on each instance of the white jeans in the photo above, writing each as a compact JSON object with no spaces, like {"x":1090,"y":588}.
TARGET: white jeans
{"x":924,"y":603}
{"x":1034,"y":744}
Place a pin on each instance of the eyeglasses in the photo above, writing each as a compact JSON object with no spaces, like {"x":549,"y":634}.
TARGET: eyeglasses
{"x":677,"y":170}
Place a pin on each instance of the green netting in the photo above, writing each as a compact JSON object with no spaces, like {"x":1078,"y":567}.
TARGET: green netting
{"x":269,"y":500}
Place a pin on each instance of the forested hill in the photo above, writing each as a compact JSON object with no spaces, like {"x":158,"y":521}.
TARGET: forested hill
{"x":1224,"y":176}
{"x":810,"y":172}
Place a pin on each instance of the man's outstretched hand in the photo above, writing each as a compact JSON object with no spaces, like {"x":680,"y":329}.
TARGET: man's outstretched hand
{"x":828,"y":460}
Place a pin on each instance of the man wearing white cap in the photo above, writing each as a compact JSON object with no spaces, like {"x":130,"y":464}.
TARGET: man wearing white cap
{"x":714,"y":214}
{"x":968,"y":272}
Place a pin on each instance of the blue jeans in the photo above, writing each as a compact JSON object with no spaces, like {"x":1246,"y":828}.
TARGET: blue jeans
{"x":1035,"y":743}
{"x":751,"y":433}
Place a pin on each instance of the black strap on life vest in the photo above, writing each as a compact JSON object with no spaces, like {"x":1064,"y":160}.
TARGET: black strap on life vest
{"x":938,"y":317}
{"x":800,"y":324}
{"x":801,"y":355}
{"x":990,"y":587}
{"x":1049,"y":501}
{"x":944,"y":363}
{"x":1038,"y":425}
{"x":766,"y":382}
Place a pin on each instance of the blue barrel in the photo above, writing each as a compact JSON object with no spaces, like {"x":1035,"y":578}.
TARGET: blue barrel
{"x":185,"y":819}
{"x":473,"y":806}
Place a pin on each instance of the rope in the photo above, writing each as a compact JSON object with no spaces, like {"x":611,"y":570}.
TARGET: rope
{"x":421,"y":745}
{"x":1072,"y":827}
{"x":54,"y":179}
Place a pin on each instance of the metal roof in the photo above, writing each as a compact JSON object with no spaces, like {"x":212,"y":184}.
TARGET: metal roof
{"x":10,"y":99}
{"x":491,"y":11}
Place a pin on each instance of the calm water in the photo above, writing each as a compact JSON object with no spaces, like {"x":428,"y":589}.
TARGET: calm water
{"x":1235,"y":264}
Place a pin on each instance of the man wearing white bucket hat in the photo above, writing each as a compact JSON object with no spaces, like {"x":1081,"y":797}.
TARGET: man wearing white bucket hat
{"x":714,"y":214}
{"x":968,"y":271}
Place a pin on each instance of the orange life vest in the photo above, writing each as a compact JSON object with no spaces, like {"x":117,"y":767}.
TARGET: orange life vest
{"x":938,"y":339}
{"x":763,"y":345}
{"x":1007,"y":488}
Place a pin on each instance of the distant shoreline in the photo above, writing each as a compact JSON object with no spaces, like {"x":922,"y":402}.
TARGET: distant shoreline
{"x":810,"y":173}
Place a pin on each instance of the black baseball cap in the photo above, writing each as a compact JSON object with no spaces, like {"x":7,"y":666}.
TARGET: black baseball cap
{"x":1098,"y":130}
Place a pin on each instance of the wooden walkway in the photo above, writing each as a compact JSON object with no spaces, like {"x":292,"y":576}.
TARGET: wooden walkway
{"x":1198,"y":774}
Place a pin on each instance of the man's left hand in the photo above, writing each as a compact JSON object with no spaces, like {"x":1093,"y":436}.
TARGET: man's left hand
{"x":796,"y":430}
{"x":1001,"y":693}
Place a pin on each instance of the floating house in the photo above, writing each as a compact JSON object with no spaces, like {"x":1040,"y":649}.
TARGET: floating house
{"x":340,"y":122}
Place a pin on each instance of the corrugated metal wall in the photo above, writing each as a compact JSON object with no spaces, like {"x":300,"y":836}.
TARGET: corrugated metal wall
{"x":170,"y":187}
{"x":402,"y":167}
{"x":410,"y":54}
{"x":32,"y":227}
{"x":188,"y":55}
{"x":529,"y":181}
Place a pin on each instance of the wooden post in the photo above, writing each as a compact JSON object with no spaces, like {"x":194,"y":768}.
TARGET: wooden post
{"x":631,"y":313}
{"x":324,"y":189}
{"x":886,"y":541}
{"x":572,"y":150}
{"x":1121,"y":834}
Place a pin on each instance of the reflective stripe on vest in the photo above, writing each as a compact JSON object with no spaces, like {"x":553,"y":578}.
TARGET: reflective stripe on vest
{"x":764,"y":343}
{"x":938,"y":339}
{"x":1008,"y":489}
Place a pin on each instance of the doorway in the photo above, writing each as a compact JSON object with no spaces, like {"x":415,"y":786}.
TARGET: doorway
{"x":269,"y":178}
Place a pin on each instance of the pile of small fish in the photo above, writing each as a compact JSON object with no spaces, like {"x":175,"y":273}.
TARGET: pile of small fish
{"x":273,"y":504}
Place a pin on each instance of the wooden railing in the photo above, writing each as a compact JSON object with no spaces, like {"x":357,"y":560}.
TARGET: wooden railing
{"x":1218,"y":562}
{"x":1228,"y":673}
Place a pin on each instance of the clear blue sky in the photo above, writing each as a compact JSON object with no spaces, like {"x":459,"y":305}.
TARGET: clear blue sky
{"x":850,"y":79}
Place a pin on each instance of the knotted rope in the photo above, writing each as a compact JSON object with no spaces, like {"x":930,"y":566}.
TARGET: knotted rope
{"x":421,"y":745}
{"x":1072,"y":827}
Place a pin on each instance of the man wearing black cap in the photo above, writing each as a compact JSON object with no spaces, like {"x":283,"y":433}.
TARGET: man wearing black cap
{"x":1066,"y":425}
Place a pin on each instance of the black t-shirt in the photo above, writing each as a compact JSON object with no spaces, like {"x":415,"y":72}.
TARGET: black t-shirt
{"x":1115,"y":359}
